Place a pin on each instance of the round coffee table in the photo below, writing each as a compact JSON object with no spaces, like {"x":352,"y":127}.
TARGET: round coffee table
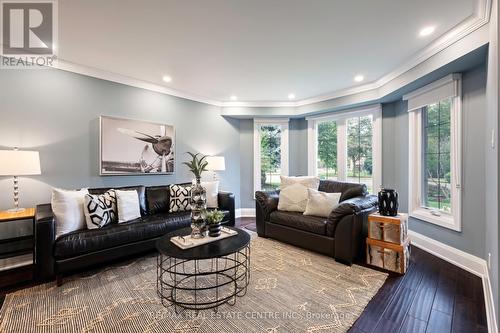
{"x":203,"y":277}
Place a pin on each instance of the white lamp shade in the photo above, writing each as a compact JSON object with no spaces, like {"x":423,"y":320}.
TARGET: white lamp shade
{"x":19,"y":163}
{"x":216,"y":163}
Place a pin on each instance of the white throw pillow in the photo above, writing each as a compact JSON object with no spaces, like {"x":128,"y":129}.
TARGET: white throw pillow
{"x":293,"y":192}
{"x":128,"y":205}
{"x":321,"y":203}
{"x":68,"y":210}
{"x":212,"y":189}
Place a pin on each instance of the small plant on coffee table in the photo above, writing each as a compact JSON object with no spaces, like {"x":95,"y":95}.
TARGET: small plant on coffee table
{"x":214,"y":219}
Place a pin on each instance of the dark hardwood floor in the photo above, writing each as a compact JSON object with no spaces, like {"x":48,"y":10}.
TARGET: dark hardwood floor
{"x":433,"y":296}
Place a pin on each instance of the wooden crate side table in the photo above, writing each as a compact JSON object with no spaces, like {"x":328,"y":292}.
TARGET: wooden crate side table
{"x":389,"y":256}
{"x":17,"y":254}
{"x":392,"y":229}
{"x":387,"y":245}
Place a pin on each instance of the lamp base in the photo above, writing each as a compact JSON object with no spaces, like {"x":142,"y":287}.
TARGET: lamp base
{"x":16,"y":210}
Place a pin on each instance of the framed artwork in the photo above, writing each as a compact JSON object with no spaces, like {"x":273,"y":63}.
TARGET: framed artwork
{"x":135,"y":147}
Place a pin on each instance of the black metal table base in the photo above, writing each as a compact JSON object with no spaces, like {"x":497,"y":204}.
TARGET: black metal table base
{"x":201,"y":284}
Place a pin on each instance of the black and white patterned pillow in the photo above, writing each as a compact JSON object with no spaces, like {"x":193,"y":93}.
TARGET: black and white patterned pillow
{"x":100,"y":210}
{"x":180,"y":198}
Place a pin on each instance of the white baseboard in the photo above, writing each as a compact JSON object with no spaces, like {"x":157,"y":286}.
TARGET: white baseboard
{"x":245,"y":212}
{"x":464,"y":260}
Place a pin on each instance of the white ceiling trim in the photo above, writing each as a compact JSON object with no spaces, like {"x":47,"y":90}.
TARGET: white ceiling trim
{"x":480,"y":18}
{"x":130,"y":81}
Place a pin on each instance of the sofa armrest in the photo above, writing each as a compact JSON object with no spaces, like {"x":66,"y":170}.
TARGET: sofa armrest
{"x":348,"y":207}
{"x":226,"y":202}
{"x":45,"y":236}
{"x":347,"y":224}
{"x":265,"y":204}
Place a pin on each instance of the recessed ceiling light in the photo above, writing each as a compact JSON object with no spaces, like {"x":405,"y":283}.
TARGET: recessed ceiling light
{"x":234,"y":98}
{"x":426,"y":31}
{"x":359,"y":78}
{"x":291,"y":96}
{"x":167,"y":78}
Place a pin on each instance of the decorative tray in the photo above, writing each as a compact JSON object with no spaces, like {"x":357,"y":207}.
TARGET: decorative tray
{"x":186,"y":242}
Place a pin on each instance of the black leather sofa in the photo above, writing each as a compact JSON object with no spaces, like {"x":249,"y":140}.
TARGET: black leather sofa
{"x":341,"y":235}
{"x":85,"y":248}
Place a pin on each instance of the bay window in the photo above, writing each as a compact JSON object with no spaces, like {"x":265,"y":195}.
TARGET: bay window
{"x":346,"y":146}
{"x":435,"y":152}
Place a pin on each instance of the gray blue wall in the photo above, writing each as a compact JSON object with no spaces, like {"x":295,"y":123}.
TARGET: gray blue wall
{"x":246,"y":163}
{"x":57,"y":113}
{"x":395,"y":167}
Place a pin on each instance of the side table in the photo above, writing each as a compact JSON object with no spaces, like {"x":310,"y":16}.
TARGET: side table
{"x":387,"y":245}
{"x":17,"y":254}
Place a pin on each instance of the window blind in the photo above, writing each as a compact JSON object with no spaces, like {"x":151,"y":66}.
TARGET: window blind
{"x":444,"y":88}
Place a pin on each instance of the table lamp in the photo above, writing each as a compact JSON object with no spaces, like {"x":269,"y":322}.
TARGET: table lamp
{"x":216,"y":163}
{"x":19,"y":163}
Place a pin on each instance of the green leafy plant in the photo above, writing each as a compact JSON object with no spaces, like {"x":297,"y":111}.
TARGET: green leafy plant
{"x":213,"y":217}
{"x":197,"y":165}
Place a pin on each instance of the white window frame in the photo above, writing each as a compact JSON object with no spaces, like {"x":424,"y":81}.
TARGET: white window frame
{"x":425,"y":96}
{"x":257,"y":123}
{"x":375,"y":111}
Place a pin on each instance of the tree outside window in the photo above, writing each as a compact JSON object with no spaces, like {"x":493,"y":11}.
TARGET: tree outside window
{"x":359,"y":150}
{"x":437,"y":154}
{"x":327,"y":150}
{"x":270,"y":156}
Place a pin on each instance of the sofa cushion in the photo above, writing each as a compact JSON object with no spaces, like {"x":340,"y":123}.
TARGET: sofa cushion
{"x":180,"y":198}
{"x":321,"y":203}
{"x":314,"y":224}
{"x":147,"y":227}
{"x":86,"y":241}
{"x":158,"y":199}
{"x":141,"y":191}
{"x":293,"y":192}
{"x":128,"y":205}
{"x":348,"y":190}
{"x":100,"y":209}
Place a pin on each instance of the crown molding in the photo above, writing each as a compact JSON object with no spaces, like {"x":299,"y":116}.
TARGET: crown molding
{"x":479,"y":18}
{"x":130,"y":81}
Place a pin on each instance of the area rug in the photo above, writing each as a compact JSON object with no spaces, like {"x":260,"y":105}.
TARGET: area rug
{"x":291,"y":290}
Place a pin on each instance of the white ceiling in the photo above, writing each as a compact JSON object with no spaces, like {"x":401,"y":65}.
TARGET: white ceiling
{"x":259,"y":50}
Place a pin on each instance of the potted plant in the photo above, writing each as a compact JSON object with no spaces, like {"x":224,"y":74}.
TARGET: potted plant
{"x":214,"y":219}
{"x":197,"y":165}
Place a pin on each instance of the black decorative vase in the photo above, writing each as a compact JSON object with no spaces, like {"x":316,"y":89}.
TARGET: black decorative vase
{"x":388,"y":202}
{"x":214,"y":229}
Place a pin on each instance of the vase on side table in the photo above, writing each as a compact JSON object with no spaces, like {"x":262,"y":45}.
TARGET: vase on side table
{"x":388,"y":202}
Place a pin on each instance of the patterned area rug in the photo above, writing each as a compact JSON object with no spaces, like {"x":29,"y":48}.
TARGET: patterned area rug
{"x":291,"y":290}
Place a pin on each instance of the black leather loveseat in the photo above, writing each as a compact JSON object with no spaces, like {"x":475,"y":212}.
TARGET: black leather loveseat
{"x":341,"y":235}
{"x":84,"y":248}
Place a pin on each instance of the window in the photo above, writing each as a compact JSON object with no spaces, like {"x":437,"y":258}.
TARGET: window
{"x":327,"y":150}
{"x":435,"y":152}
{"x":347,"y":146}
{"x":271,"y":153}
{"x":359,"y":151}
{"x":436,"y":171}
